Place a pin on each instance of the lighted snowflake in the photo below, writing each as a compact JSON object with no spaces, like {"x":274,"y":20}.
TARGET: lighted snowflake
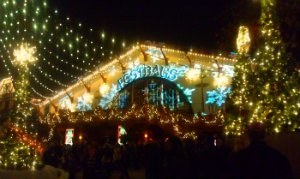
{"x":84,"y":103}
{"x":108,"y":99}
{"x":65,"y":103}
{"x":218,"y":96}
{"x":188,"y":92}
{"x":24,"y":54}
{"x":192,"y":74}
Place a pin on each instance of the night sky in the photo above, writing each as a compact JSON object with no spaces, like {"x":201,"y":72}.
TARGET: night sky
{"x":206,"y":26}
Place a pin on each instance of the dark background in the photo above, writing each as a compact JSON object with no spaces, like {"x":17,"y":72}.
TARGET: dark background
{"x":207,"y":25}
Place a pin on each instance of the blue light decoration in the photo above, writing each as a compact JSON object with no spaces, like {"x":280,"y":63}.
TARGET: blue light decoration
{"x":123,"y":99}
{"x":188,"y":92}
{"x":153,"y":93}
{"x":170,"y":73}
{"x":84,"y":104}
{"x":218,"y":96}
{"x":108,"y":99}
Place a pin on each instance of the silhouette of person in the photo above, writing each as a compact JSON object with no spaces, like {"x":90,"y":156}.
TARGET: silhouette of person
{"x":259,"y":159}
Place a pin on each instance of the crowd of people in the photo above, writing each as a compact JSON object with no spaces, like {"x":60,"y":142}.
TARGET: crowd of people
{"x":171,"y":158}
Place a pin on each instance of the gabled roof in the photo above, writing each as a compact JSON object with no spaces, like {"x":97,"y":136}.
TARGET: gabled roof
{"x":162,"y":53}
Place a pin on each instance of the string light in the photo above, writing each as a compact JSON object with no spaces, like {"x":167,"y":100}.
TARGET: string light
{"x":265,"y":88}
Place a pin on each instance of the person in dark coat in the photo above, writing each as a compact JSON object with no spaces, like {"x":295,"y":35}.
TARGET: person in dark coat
{"x":259,"y":160}
{"x":91,"y":164}
{"x":176,"y":162}
{"x":153,"y":160}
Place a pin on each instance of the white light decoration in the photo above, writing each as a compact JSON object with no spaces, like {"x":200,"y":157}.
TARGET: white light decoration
{"x":87,"y":98}
{"x":112,"y":71}
{"x":221,"y":80}
{"x":104,"y":89}
{"x":66,"y":103}
{"x":84,"y":103}
{"x":243,"y":40}
{"x":24,"y":54}
{"x":192,"y":75}
{"x":134,"y":64}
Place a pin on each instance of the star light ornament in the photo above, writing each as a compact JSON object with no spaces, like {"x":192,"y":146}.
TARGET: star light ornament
{"x":24,"y":55}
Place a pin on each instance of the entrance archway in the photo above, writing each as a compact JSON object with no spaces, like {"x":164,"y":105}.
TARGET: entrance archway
{"x":155,"y":91}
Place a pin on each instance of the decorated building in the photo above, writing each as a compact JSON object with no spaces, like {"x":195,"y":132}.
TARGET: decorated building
{"x":151,"y":74}
{"x":143,"y":81}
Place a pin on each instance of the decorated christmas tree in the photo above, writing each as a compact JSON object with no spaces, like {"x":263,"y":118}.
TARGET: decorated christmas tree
{"x":18,"y":147}
{"x":266,"y":86}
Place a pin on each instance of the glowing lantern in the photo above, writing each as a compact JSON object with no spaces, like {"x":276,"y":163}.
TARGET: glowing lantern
{"x":243,"y":40}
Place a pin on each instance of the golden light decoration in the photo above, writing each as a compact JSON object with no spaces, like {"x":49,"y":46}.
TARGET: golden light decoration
{"x":6,"y":86}
{"x":243,"y":40}
{"x":24,"y":54}
{"x":221,"y":80}
{"x":193,"y":74}
{"x":104,"y":89}
{"x":87,"y":98}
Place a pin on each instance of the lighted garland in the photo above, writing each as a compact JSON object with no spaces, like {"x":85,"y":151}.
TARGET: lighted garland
{"x":18,"y":150}
{"x":183,"y":125}
{"x":33,"y":22}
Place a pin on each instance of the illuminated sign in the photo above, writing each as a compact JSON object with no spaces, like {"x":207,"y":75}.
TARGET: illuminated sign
{"x":167,"y":72}
{"x":121,"y":132}
{"x":69,"y":136}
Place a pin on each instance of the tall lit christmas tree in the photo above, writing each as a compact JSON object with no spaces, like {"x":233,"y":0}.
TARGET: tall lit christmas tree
{"x":18,"y":149}
{"x":30,"y":30}
{"x":265,"y":88}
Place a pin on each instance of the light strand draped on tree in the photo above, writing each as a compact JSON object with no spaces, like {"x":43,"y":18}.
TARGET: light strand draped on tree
{"x":17,"y":143}
{"x":265,"y":89}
